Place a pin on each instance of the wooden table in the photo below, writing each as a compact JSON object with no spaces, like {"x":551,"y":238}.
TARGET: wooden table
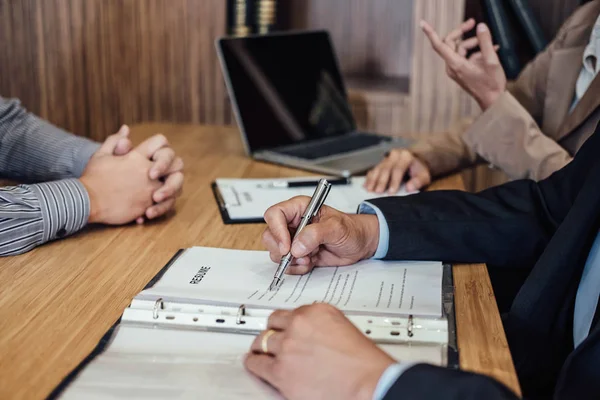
{"x":57,"y":301}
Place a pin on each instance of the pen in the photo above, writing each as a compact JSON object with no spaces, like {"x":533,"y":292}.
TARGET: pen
{"x":307,"y":183}
{"x":316,"y":201}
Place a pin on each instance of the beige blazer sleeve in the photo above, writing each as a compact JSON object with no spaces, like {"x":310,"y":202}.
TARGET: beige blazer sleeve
{"x":445,"y":152}
{"x":506,"y":134}
{"x":508,"y":137}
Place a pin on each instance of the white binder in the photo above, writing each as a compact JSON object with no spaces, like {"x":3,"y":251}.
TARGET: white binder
{"x":179,"y":333}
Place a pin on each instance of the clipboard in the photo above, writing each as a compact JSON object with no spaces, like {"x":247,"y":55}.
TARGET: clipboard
{"x":227,"y":220}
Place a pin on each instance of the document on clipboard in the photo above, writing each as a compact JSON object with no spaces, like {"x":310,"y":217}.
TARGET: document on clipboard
{"x":246,"y":200}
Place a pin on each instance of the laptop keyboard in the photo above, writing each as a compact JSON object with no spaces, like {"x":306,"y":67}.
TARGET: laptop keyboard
{"x":346,"y":144}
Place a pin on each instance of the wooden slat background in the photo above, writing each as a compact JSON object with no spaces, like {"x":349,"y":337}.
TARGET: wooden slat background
{"x":372,"y":37}
{"x":91,"y":65}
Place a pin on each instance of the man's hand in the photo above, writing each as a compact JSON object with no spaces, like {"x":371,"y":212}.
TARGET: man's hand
{"x":317,"y":353}
{"x":390,"y":172}
{"x":332,"y":239}
{"x":167,"y":167}
{"x":120,"y":187}
{"x":481,"y":75}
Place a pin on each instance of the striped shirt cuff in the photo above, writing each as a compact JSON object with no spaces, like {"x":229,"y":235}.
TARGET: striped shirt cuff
{"x":65,"y":207}
{"x":83,"y":154}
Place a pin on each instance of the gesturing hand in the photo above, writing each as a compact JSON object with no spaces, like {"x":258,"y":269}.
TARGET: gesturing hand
{"x":314,"y":352}
{"x":481,"y":75}
{"x":332,"y":239}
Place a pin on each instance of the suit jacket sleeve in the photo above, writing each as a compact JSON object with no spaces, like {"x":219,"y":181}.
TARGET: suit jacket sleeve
{"x":505,"y":226}
{"x":428,"y":382}
{"x":33,"y":150}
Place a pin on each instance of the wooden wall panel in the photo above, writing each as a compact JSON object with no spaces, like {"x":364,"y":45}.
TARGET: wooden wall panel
{"x":435,"y":98}
{"x":372,"y":37}
{"x":92,"y":65}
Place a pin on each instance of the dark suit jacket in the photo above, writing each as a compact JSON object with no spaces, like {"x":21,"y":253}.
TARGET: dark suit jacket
{"x":546,"y":227}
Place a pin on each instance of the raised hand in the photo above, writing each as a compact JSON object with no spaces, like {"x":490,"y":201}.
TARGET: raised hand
{"x":481,"y":75}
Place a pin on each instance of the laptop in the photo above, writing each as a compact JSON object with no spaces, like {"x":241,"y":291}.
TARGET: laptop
{"x":291,"y":106}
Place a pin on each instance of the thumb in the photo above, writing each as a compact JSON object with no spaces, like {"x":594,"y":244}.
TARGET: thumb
{"x":123,"y":146}
{"x":417,"y":181}
{"x":111,"y":143}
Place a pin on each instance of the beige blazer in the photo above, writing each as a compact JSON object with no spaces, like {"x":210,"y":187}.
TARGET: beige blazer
{"x":528,"y":132}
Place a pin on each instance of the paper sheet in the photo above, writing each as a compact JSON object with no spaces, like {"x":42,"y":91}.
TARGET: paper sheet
{"x":246,"y":200}
{"x":145,"y":363}
{"x":234,"y":277}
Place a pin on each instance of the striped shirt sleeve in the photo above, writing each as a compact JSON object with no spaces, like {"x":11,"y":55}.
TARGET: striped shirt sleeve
{"x":34,"y":150}
{"x":31,"y":215}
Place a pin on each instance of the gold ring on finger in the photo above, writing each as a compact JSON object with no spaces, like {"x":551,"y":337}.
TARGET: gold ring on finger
{"x":265,"y":341}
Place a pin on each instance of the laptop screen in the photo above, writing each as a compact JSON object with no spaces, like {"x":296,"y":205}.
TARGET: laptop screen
{"x":287,"y":88}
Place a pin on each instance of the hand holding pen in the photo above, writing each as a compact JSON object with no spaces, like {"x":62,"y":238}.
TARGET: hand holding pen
{"x":332,"y":239}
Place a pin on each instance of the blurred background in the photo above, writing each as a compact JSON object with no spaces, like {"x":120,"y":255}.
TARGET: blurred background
{"x":91,"y":65}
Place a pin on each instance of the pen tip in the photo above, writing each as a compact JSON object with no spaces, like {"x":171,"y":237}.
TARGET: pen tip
{"x":273,"y":285}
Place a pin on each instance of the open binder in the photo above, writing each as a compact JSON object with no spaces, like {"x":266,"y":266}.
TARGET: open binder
{"x":163,"y":333}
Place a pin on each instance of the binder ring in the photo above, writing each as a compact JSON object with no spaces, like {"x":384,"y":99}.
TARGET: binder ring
{"x":409,"y":328}
{"x":158,"y":304}
{"x":241,"y":312}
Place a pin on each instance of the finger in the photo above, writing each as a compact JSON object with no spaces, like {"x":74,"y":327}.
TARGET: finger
{"x":418,"y":181}
{"x":163,"y":158}
{"x":457,"y":33}
{"x":486,"y":45}
{"x":171,"y":188}
{"x":448,"y":54}
{"x":396,"y":180}
{"x":263,"y":366}
{"x":466,"y":45}
{"x":383,"y":179}
{"x":150,"y":146}
{"x":272,"y":343}
{"x":160,"y":209}
{"x":282,"y":216}
{"x":140,"y":221}
{"x":413,"y":185}
{"x":301,"y":269}
{"x":280,"y":319}
{"x":372,"y":178}
{"x":271,"y":245}
{"x":176,"y":166}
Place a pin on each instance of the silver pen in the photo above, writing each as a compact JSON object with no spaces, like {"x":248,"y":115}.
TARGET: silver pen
{"x":317,"y":200}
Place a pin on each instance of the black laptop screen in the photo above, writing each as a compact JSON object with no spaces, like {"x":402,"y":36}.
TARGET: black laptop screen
{"x":287,"y":88}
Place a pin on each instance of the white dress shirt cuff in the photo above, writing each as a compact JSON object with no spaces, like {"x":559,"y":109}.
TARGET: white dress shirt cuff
{"x":387,"y":379}
{"x":384,"y":231}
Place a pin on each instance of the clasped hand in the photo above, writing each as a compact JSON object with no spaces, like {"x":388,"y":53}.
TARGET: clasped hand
{"x":126,"y":184}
